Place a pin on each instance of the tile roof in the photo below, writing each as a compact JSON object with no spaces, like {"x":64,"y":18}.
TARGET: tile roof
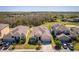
{"x":46,"y":36}
{"x":21,"y":29}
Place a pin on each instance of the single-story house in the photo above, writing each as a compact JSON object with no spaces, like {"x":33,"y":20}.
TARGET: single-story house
{"x":40,"y":34}
{"x":19,"y":34}
{"x":75,"y":30}
{"x":12,"y":38}
{"x":22,"y":30}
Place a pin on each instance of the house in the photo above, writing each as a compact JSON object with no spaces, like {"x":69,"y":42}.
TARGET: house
{"x":59,"y":29}
{"x":64,"y":38}
{"x":74,"y":31}
{"x":4,"y":30}
{"x":39,"y":30}
{"x":43,"y":29}
{"x":18,"y":34}
{"x":15,"y":38}
{"x":40,"y":34}
{"x":71,"y":20}
{"x":36,"y":32}
{"x":46,"y":38}
{"x":76,"y":19}
{"x":22,"y":30}
{"x":52,"y":19}
{"x":35,"y":36}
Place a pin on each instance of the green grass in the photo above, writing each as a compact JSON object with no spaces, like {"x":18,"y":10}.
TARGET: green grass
{"x":49,"y":24}
{"x":28,"y":46}
{"x":76,"y":46}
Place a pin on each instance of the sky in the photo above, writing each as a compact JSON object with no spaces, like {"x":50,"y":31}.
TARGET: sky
{"x":39,"y":8}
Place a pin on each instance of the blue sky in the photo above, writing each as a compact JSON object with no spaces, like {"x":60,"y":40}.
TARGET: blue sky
{"x":39,"y":8}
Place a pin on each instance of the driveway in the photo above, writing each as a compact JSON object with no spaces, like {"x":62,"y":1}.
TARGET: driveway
{"x":46,"y":48}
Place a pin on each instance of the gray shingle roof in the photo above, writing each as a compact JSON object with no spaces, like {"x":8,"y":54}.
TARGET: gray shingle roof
{"x":63,"y":36}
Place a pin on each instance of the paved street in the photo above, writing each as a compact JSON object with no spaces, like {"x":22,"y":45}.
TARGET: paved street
{"x":44,"y":48}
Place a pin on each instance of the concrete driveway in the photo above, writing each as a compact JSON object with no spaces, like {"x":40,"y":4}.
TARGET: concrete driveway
{"x":46,"y":48}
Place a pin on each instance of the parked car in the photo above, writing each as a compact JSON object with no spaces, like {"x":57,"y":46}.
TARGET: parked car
{"x":1,"y":47}
{"x":6,"y":46}
{"x":64,"y":45}
{"x":70,"y":46}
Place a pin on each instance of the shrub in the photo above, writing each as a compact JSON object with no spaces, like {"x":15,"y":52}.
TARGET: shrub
{"x":58,"y":44}
{"x":38,"y":47}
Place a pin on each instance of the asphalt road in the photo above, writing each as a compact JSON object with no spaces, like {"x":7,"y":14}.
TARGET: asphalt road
{"x":44,"y":48}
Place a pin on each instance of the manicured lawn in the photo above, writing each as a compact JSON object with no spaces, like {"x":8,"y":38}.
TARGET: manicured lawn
{"x":28,"y":46}
{"x":76,"y":46}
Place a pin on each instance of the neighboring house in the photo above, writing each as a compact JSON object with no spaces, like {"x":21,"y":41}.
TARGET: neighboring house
{"x":64,"y":38}
{"x":41,"y":33}
{"x":59,"y":29}
{"x":43,"y":29}
{"x":62,"y":33}
{"x":22,"y":30}
{"x":76,"y":19}
{"x":18,"y":33}
{"x":52,"y":19}
{"x":4,"y":30}
{"x":12,"y":38}
{"x":46,"y":38}
{"x":36,"y":32}
{"x":74,"y":31}
{"x":39,"y":30}
{"x":71,"y":20}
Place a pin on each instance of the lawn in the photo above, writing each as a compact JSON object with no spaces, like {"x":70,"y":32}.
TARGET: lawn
{"x":76,"y":46}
